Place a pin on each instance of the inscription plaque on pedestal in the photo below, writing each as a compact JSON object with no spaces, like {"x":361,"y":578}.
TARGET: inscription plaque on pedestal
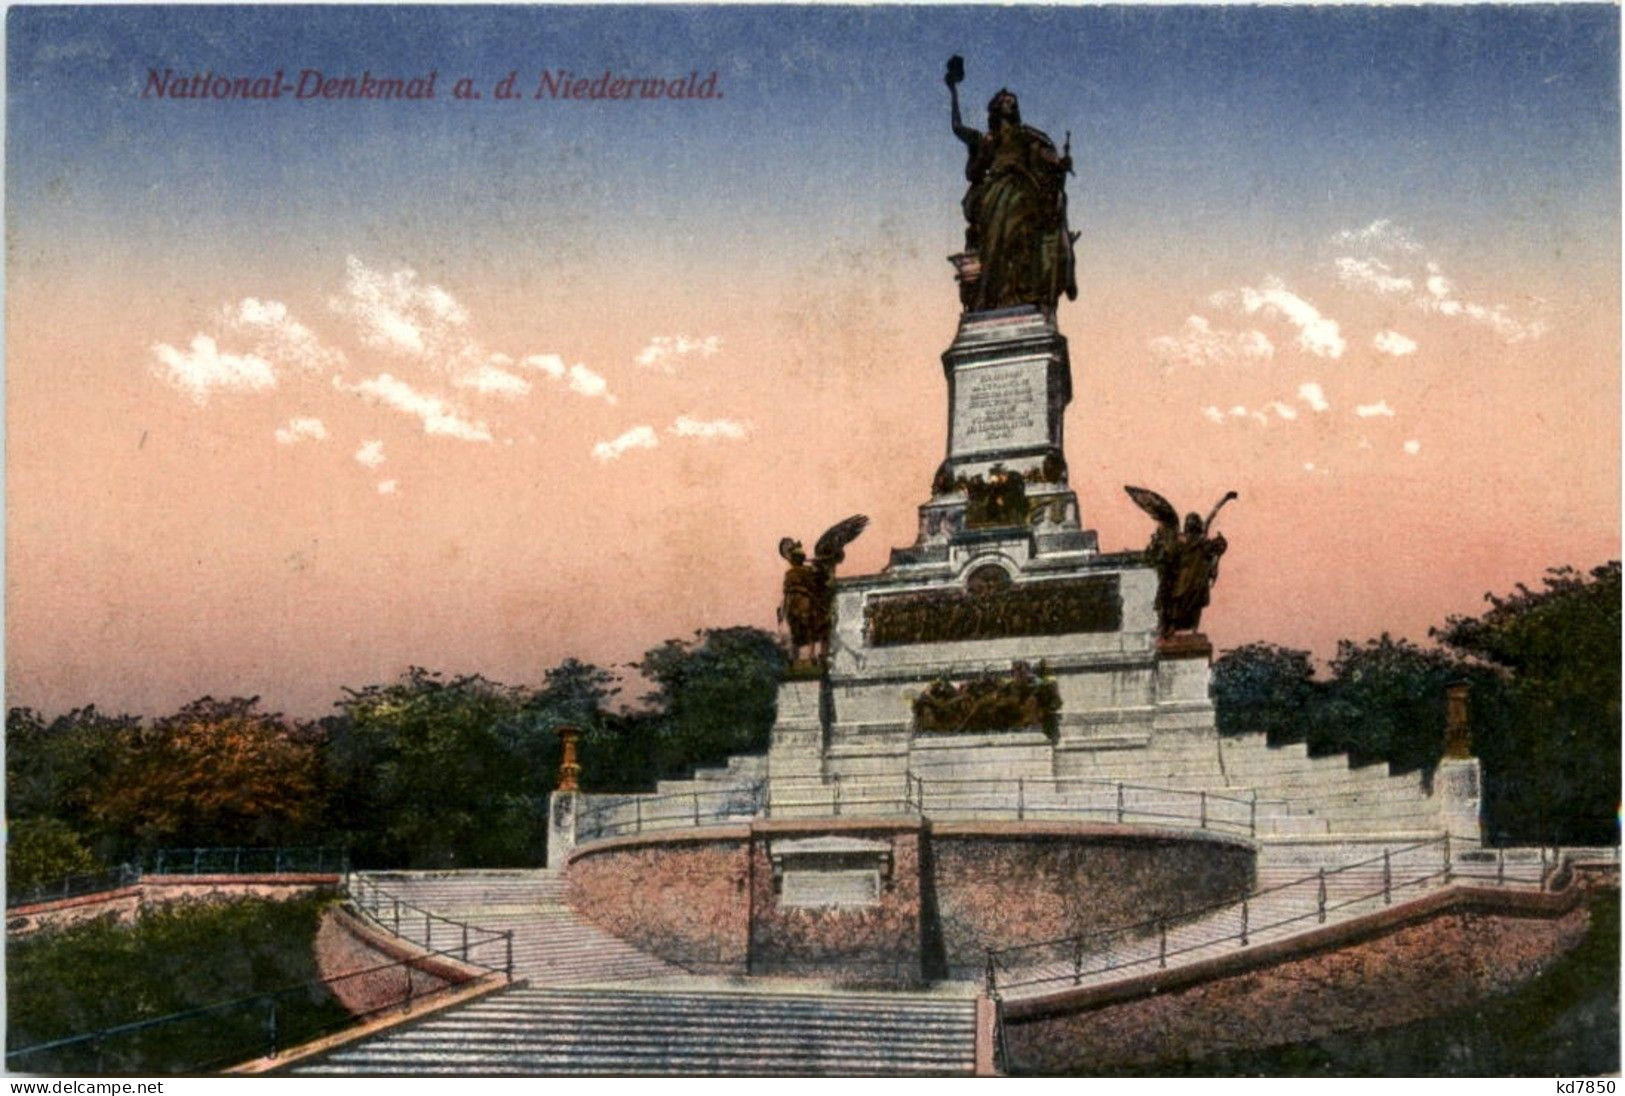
{"x":1001,"y":407}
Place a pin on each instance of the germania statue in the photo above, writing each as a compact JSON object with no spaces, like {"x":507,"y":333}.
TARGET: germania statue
{"x":1015,"y":209}
{"x":1187,"y":561}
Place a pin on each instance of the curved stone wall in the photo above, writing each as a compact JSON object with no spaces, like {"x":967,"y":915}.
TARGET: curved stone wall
{"x":1000,"y":884}
{"x":732,"y":899}
{"x":1431,"y":957}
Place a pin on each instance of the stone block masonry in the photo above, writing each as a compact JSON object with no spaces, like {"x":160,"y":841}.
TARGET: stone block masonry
{"x":888,"y":901}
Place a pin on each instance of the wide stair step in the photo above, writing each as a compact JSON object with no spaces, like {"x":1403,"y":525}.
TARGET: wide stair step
{"x":530,"y":1031}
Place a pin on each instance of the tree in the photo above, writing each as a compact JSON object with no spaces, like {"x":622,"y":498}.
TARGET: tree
{"x":1551,"y":767}
{"x":1386,"y":702}
{"x":40,"y":851}
{"x":59,"y":768}
{"x":218,"y":772}
{"x":716,"y":695}
{"x":427,"y":772}
{"x":1263,"y":687}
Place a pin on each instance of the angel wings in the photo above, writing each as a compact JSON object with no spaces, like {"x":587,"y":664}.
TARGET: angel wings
{"x":1187,"y":561}
{"x":807,"y":595}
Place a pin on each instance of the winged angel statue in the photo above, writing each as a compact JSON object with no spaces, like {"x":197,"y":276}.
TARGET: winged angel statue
{"x":1187,"y":561}
{"x":808,"y":597}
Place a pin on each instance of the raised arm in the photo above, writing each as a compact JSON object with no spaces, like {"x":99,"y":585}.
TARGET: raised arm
{"x":956,"y":73}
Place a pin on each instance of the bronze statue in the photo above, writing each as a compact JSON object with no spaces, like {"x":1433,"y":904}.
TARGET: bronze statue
{"x":808,"y":597}
{"x":1015,"y":209}
{"x":1187,"y":561}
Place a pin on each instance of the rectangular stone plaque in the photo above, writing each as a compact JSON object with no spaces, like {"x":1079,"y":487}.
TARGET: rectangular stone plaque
{"x":1001,"y":407}
{"x":830,"y":887}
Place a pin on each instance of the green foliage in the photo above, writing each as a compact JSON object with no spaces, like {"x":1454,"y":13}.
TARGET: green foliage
{"x":218,"y":772}
{"x":427,"y":772}
{"x":176,"y":958}
{"x":44,"y":850}
{"x":1551,"y":764}
{"x":715,"y":695}
{"x":1264,"y":688}
{"x":1386,"y":702}
{"x":58,"y":768}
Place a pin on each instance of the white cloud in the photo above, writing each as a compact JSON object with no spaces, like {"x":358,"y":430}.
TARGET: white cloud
{"x":1381,"y":235}
{"x":371,"y":453}
{"x":1315,"y":469}
{"x":639,"y":437}
{"x":1284,"y":410}
{"x":493,"y":380}
{"x":1318,"y":334}
{"x":1213,"y":414}
{"x":1199,"y":344}
{"x":437,"y":416}
{"x":388,"y":487}
{"x":1380,"y":409}
{"x":204,"y":368}
{"x":1393,"y":344}
{"x":397,"y":312}
{"x":1373,"y":274}
{"x":578,"y":378}
{"x":279,"y":336}
{"x":1413,"y":447}
{"x":1313,"y":395}
{"x":299,"y":428}
{"x":1441,"y":300}
{"x":663,"y":351}
{"x":1428,"y":290}
{"x":686,"y":427}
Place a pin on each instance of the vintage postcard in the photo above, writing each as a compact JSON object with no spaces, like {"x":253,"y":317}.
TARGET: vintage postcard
{"x":813,"y":540}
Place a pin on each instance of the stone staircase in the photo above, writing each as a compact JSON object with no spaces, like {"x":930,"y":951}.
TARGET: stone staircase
{"x":547,"y":1031}
{"x":551,"y":944}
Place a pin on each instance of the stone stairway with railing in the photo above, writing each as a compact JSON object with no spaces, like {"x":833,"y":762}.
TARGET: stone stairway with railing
{"x":557,"y":1032}
{"x":1296,"y":890}
{"x":592,"y":1003}
{"x":552,"y":945}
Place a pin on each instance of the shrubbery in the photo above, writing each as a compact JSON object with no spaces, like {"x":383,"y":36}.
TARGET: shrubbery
{"x":101,"y":974}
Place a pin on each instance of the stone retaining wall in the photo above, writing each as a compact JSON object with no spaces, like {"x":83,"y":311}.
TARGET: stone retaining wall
{"x":1003,"y":884}
{"x":684,"y":898}
{"x":126,"y":903}
{"x":715,"y":901}
{"x":346,"y":945}
{"x":1432,"y":956}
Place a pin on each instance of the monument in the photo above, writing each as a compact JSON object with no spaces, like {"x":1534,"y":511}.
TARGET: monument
{"x":1003,"y":641}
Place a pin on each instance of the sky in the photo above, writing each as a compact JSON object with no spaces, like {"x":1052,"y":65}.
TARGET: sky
{"x":301,"y":392}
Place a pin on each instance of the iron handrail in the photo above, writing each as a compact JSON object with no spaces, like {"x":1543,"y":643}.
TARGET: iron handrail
{"x":594,"y":816}
{"x":269,"y":997}
{"x":69,"y":886}
{"x":355,"y":884}
{"x":212,"y":860}
{"x":1215,"y":907}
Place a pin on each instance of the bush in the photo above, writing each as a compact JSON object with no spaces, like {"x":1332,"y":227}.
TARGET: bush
{"x":102,"y":974}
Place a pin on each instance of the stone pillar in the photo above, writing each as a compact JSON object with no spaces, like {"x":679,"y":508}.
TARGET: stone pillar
{"x":565,"y":803}
{"x":1458,"y":781}
{"x":1184,"y":686}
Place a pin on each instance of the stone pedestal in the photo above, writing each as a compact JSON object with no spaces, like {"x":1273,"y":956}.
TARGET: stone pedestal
{"x":1001,"y":573}
{"x":563,"y":807}
{"x":1458,"y":786}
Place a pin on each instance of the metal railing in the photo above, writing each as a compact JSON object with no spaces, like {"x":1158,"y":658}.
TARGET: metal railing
{"x":1151,"y":943}
{"x":1021,"y":798}
{"x":118,"y":1049}
{"x":636,"y":814}
{"x":78,"y":885}
{"x":234,"y":860}
{"x":459,"y":939}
